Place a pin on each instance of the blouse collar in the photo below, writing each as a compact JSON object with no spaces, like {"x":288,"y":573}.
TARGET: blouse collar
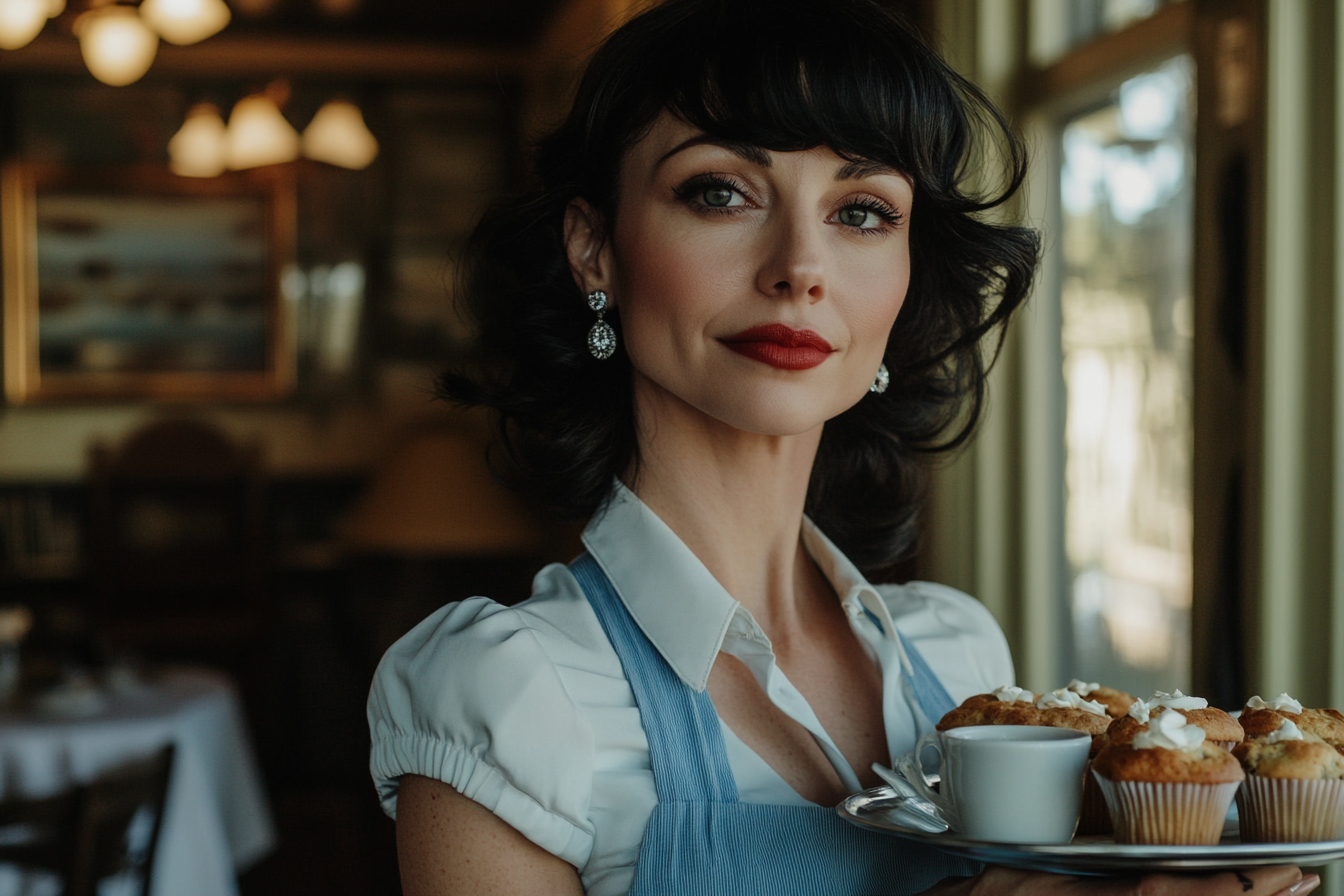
{"x":678,"y":604}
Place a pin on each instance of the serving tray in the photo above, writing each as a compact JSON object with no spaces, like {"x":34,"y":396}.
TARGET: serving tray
{"x":1091,"y":855}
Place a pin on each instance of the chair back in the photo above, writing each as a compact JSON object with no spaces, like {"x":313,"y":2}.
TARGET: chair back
{"x":177,"y":537}
{"x":107,"y":827}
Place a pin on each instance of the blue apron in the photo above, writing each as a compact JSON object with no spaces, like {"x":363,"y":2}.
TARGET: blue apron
{"x":701,"y":839}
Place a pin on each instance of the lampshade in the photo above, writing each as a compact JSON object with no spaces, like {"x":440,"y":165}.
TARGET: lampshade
{"x":337,"y":135}
{"x":117,"y":46}
{"x":259,"y":135}
{"x":20,"y":22}
{"x":185,"y":21}
{"x":197,"y":149}
{"x":434,"y":496}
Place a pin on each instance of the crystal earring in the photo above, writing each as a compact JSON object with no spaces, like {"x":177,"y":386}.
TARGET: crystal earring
{"x":881,"y":381}
{"x":601,"y":338}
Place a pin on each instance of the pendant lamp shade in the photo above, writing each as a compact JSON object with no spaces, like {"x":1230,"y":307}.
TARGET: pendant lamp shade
{"x":197,"y":149}
{"x":20,"y":22}
{"x":118,"y":47}
{"x":185,"y":22}
{"x":337,"y":135}
{"x":259,"y":135}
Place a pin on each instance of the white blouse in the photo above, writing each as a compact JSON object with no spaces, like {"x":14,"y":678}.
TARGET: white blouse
{"x":525,"y":709}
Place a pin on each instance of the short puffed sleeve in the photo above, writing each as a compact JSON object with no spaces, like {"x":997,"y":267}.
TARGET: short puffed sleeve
{"x":470,"y":697}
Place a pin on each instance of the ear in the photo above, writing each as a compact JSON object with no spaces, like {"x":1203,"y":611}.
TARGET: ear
{"x":587,"y":246}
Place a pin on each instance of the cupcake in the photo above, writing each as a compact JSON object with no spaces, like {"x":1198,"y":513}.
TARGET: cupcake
{"x":1018,"y":706}
{"x":1168,"y":785}
{"x":1116,"y":702}
{"x":1262,"y":717}
{"x":1294,"y":788}
{"x":1218,"y":726}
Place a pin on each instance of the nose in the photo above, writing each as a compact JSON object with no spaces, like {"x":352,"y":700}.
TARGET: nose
{"x":793,"y":266}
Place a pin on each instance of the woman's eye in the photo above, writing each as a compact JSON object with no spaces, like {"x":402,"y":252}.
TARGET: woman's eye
{"x":718,"y":197}
{"x":855,"y":216}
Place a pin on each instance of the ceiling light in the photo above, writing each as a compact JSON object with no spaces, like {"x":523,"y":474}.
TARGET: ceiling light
{"x":337,"y":135}
{"x":185,"y":21}
{"x":259,"y":135}
{"x":117,"y":46}
{"x":20,"y":21}
{"x":197,"y":149}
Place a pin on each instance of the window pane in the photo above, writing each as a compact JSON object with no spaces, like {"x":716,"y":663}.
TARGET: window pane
{"x":1058,"y":26}
{"x":1126,"y":190}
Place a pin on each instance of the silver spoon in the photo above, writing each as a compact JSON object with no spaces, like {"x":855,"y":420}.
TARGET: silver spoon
{"x":907,"y":807}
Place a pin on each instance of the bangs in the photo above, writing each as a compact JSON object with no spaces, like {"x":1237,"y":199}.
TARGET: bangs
{"x":790,"y":75}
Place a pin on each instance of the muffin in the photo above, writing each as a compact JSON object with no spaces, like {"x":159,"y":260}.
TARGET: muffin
{"x":1262,"y":717}
{"x":1169,"y":785}
{"x":1116,"y":702}
{"x":1218,"y":726}
{"x":1018,"y":706}
{"x":1294,"y":788}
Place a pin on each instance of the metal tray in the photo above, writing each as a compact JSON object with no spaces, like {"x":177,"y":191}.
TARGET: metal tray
{"x":1092,"y":855}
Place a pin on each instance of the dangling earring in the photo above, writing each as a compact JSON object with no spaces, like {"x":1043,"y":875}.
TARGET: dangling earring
{"x":601,"y":338}
{"x":881,"y":381}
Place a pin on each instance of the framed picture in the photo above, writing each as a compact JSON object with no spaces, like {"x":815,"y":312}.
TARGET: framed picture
{"x":135,"y":283}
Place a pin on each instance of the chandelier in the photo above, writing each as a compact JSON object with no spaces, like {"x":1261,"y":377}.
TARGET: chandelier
{"x":117,"y":40}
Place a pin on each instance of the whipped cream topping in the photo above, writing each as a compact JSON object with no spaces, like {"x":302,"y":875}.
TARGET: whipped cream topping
{"x":1169,"y":731}
{"x":1287,"y":731}
{"x":1177,"y":700}
{"x":1283,"y":703}
{"x":1140,"y":710}
{"x":1010,"y":694}
{"x":1067,"y":699}
{"x":1078,"y":686}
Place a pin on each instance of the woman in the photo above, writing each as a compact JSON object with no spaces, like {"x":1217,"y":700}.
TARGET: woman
{"x":750,"y":284}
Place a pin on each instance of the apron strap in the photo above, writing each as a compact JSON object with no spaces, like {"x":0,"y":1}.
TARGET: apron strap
{"x":928,"y":691}
{"x":686,"y":748}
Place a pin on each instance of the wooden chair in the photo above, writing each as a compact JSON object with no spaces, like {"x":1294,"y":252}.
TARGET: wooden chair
{"x":177,"y":540}
{"x":107,"y":827}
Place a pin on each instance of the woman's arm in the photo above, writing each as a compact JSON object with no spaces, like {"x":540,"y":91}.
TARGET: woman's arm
{"x":1284,"y":880}
{"x":448,"y":844}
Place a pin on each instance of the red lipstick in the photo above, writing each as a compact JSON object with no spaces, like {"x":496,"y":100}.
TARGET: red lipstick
{"x":780,"y":346}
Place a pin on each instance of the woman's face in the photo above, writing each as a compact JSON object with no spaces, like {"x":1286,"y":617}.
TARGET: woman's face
{"x":756,"y":287}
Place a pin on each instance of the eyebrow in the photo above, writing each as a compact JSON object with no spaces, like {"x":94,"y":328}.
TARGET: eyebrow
{"x":856,"y":169}
{"x":748,"y":151}
{"x":861,"y":168}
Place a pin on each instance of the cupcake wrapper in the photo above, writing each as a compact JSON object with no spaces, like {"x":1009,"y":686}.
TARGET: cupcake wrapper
{"x":1288,"y":810}
{"x":1095,"y":817}
{"x":1176,"y":814}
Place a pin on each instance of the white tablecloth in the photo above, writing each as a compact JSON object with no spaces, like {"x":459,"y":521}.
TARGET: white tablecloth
{"x":216,"y":820}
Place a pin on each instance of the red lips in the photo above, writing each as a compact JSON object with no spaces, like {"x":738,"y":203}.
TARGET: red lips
{"x":781,"y":346}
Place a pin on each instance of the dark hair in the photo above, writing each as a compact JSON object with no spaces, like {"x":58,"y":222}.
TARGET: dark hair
{"x":783,"y":75}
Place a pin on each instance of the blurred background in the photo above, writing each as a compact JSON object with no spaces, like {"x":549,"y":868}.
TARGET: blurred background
{"x":229,"y":240}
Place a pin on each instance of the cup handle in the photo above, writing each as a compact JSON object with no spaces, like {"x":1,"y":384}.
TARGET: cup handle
{"x":911,"y":768}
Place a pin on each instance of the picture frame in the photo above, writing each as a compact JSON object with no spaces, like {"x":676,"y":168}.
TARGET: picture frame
{"x":134,"y":283}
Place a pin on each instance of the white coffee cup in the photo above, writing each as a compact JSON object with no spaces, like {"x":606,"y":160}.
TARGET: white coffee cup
{"x":1007,"y":783}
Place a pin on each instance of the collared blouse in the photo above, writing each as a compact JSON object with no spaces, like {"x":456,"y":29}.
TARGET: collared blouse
{"x":525,"y":709}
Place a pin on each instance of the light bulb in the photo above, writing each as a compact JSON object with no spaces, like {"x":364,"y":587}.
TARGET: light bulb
{"x":185,"y":22}
{"x":117,"y":46}
{"x":197,"y":149}
{"x":259,"y":135}
{"x":337,"y":135}
{"x":55,"y":8}
{"x":20,"y":21}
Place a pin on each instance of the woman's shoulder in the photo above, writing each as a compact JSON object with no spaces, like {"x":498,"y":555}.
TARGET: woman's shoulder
{"x":956,"y":633}
{"x":495,"y":701}
{"x":553,"y":626}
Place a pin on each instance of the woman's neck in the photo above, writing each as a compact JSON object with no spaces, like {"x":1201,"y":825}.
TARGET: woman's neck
{"x":735,"y":498}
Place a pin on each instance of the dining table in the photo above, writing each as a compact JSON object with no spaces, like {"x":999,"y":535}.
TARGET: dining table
{"x":216,"y":818}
